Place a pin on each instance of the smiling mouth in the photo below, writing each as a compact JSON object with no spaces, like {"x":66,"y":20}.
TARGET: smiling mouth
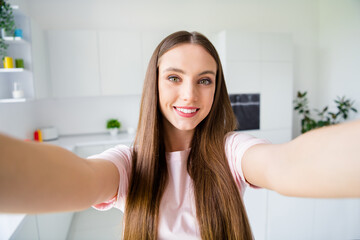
{"x":187,"y":110}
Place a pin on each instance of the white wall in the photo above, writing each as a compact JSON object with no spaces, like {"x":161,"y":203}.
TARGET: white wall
{"x":87,"y":114}
{"x":298,"y":18}
{"x":325,"y":34}
{"x":18,"y":119}
{"x":339,"y":51}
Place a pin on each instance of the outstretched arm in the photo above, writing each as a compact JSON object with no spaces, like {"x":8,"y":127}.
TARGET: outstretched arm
{"x":321,"y":163}
{"x":37,"y":177}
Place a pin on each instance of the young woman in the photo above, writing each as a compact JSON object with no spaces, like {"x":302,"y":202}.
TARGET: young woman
{"x":186,"y":173}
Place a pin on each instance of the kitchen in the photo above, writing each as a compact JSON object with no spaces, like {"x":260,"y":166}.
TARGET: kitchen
{"x":297,"y":45}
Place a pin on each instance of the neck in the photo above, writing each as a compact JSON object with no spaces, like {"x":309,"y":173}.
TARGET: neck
{"x":177,"y":140}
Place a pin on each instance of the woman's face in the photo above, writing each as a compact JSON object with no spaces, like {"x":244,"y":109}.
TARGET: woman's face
{"x":187,"y":75}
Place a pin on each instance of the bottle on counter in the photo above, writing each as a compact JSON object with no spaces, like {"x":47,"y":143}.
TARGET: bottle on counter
{"x":38,"y":135}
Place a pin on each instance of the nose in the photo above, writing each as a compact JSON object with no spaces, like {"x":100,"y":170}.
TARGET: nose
{"x":189,"y":91}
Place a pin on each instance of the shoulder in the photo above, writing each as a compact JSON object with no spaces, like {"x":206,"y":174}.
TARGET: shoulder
{"x":236,"y":144}
{"x":237,"y":140}
{"x":118,"y":150}
{"x":120,"y":155}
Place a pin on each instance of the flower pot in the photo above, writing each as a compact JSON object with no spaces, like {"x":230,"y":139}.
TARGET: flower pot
{"x":113,"y":131}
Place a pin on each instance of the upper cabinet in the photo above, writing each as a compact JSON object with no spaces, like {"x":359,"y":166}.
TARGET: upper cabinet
{"x":40,"y":61}
{"x":120,"y":57}
{"x":63,"y":63}
{"x":260,"y":63}
{"x":74,"y":63}
{"x":96,"y":63}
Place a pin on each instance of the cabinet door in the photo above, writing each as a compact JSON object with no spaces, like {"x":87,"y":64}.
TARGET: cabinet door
{"x":150,"y":40}
{"x":120,"y":63}
{"x":74,"y":64}
{"x":27,"y":229}
{"x":40,"y":61}
{"x":54,"y":226}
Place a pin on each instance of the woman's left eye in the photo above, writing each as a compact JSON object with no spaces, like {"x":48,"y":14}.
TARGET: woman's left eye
{"x":174,"y":79}
{"x":205,"y":81}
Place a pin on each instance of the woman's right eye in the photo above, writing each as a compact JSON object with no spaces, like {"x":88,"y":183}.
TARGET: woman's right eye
{"x":173,"y":79}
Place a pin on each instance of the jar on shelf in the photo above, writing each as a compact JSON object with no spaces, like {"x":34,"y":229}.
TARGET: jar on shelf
{"x":17,"y":91}
{"x":8,"y":62}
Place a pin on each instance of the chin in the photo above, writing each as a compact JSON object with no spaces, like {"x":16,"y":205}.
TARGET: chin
{"x":186,"y":128}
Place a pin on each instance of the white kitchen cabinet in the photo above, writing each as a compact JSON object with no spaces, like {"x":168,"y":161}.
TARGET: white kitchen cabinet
{"x":120,"y":57}
{"x":54,"y":226}
{"x":86,"y":151}
{"x":260,"y":63}
{"x":246,"y":57}
{"x":74,"y":63}
{"x":276,"y":93}
{"x":149,"y":41}
{"x":95,"y":63}
{"x":18,"y":49}
{"x":99,"y":63}
{"x":40,"y":61}
{"x":27,"y":230}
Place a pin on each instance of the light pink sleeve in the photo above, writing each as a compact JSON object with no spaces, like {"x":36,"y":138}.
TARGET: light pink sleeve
{"x":236,"y":144}
{"x":121,"y":157}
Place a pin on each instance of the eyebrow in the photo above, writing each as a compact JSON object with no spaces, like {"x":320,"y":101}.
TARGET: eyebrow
{"x":181,"y":71}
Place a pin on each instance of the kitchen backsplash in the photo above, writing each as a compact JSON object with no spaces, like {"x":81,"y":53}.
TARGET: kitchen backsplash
{"x":69,"y":115}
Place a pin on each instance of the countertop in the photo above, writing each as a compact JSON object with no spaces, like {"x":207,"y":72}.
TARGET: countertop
{"x":70,"y":142}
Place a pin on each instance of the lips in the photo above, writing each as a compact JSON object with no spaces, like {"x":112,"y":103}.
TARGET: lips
{"x":186,"y":111}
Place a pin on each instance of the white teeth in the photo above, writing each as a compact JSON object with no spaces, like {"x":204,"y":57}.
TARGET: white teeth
{"x":184,"y":110}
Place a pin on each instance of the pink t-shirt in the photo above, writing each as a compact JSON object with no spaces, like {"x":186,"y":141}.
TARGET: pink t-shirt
{"x":177,"y":208}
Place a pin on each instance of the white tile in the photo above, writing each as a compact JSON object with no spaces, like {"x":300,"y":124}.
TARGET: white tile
{"x":276,"y":47}
{"x":243,"y":77}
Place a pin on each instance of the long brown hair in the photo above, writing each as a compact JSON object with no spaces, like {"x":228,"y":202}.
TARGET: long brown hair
{"x":219,"y":208}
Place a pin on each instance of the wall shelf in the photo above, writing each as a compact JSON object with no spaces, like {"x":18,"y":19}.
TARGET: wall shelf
{"x":15,"y":40}
{"x":11,"y":70}
{"x":18,"y":48}
{"x":12,"y":100}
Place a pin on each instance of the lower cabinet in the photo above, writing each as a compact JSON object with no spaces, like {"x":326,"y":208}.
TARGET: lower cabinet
{"x":276,"y":217}
{"x":53,"y":226}
{"x":27,"y":229}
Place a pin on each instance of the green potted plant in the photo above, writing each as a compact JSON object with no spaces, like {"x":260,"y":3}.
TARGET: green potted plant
{"x":113,"y":125}
{"x":7,"y":25}
{"x":326,"y":118}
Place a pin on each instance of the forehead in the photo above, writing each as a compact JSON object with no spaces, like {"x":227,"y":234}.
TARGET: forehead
{"x":188,"y":57}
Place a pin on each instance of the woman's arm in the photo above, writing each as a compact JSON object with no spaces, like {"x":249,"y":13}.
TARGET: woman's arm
{"x":38,"y":177}
{"x":321,"y":163}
